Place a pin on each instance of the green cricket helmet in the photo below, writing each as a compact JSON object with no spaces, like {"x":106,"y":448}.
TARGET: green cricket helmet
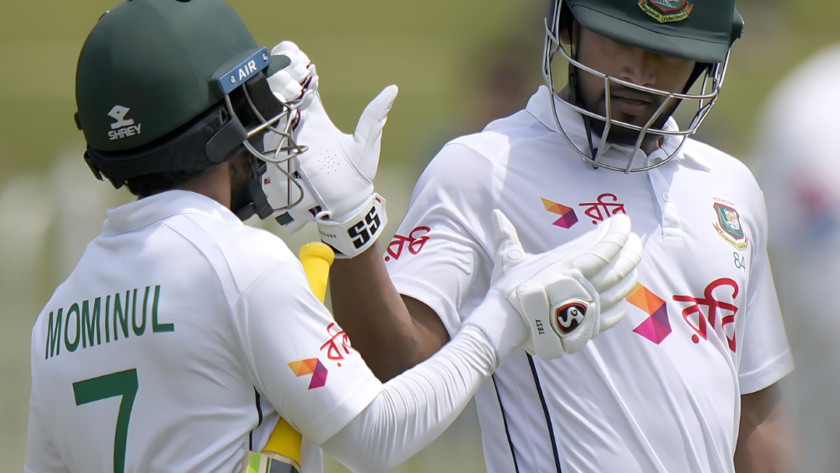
{"x":698,"y":30}
{"x":155,"y":74}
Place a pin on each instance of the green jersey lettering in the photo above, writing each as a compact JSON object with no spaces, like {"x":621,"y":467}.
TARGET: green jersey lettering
{"x":53,"y":337}
{"x":139,"y":329}
{"x":107,"y":313}
{"x":122,"y":384}
{"x":71,"y":347}
{"x":83,"y":321}
{"x":156,"y":327}
{"x":91,"y":325}
{"x":123,"y":319}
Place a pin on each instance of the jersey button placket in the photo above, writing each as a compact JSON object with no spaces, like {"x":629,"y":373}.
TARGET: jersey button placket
{"x":668,"y":213}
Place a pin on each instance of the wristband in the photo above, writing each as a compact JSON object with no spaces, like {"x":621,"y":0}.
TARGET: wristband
{"x":356,"y":234}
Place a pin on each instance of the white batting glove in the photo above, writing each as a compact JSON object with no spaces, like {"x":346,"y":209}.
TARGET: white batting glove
{"x":570,"y":294}
{"x":336,"y":174}
{"x":297,"y":77}
{"x":297,"y":80}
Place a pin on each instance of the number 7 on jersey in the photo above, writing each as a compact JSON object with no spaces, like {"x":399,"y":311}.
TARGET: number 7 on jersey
{"x":122,"y":384}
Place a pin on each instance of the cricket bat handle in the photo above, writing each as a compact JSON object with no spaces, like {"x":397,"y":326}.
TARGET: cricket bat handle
{"x":316,"y":259}
{"x":285,"y":441}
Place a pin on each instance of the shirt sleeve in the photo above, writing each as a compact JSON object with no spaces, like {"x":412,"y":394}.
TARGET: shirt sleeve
{"x":42,"y":456}
{"x":765,"y":357}
{"x":298,"y":358}
{"x":415,"y":407}
{"x":439,"y":255}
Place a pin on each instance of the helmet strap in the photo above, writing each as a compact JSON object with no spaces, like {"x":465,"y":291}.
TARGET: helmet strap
{"x":699,"y":69}
{"x":574,"y":84}
{"x":232,"y":134}
{"x":258,"y":201}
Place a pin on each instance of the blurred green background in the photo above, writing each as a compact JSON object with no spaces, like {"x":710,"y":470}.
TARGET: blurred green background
{"x":458,"y":63}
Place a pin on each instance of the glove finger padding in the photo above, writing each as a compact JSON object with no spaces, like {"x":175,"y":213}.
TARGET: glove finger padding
{"x":613,"y":315}
{"x":618,"y":268}
{"x":616,"y":233}
{"x":298,"y":68}
{"x":619,"y":291}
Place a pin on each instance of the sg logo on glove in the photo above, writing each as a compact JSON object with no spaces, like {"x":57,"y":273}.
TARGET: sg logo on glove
{"x":580,"y":286}
{"x":569,"y":317}
{"x":363,"y":231}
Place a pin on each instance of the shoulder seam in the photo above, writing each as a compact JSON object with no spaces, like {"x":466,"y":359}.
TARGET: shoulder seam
{"x":207,"y":258}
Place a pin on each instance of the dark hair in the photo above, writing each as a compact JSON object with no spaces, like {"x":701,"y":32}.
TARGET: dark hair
{"x":144,"y":186}
{"x":150,"y":184}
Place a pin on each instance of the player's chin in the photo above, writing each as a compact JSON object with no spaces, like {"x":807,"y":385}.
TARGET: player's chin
{"x":622,"y":135}
{"x":638,"y":120}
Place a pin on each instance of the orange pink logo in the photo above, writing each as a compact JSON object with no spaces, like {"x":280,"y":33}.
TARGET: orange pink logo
{"x":656,"y":327}
{"x":312,"y":366}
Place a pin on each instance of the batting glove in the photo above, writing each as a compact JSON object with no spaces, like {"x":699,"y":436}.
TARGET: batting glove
{"x":296,"y":78}
{"x":570,"y":294}
{"x":335,"y":174}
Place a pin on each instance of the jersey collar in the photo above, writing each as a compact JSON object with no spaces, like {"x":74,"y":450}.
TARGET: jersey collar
{"x":143,"y":212}
{"x":539,"y":107}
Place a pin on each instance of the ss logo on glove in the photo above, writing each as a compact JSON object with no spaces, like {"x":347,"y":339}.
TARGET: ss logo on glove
{"x":362,"y":232}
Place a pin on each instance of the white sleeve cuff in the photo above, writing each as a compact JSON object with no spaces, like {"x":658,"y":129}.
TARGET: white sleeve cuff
{"x":767,"y":375}
{"x":346,"y":409}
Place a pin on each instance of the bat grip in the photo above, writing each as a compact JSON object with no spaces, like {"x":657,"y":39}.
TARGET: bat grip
{"x":316,"y":259}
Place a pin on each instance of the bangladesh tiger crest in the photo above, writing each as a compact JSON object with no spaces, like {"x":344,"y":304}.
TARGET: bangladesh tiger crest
{"x":728,"y":225}
{"x":667,"y":11}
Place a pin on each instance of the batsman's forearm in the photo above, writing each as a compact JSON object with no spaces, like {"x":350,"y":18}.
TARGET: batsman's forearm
{"x":766,"y":443}
{"x":368,"y":307}
{"x":766,"y":448}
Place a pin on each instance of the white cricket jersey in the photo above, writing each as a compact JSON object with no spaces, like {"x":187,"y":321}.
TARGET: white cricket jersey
{"x":175,"y":343}
{"x":660,"y":391}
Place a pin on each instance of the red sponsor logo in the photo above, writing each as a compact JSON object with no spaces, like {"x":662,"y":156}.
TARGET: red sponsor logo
{"x":606,"y":206}
{"x":720,"y":315}
{"x":414,"y":242}
{"x":338,"y":342}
